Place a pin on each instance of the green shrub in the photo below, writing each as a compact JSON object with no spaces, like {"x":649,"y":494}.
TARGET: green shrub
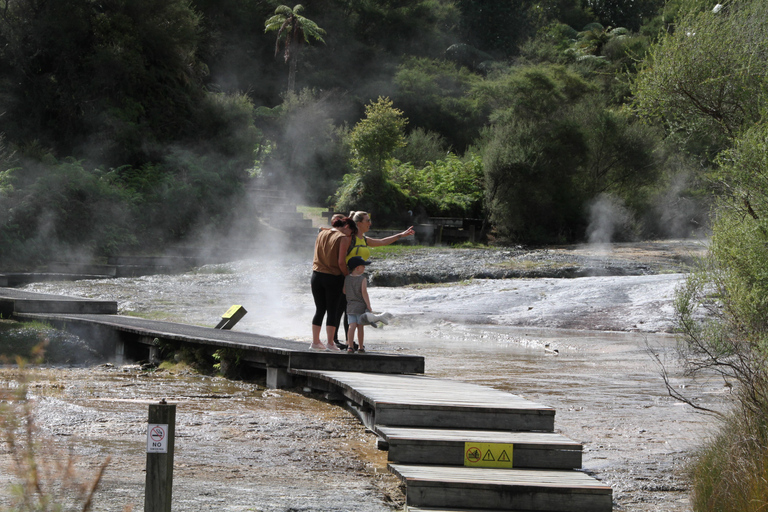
{"x":381,"y":197}
{"x":422,"y":146}
{"x":452,"y":187}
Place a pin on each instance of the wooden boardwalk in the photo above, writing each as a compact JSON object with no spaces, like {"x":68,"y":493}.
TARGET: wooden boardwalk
{"x":427,"y":424}
{"x":119,"y":337}
{"x":417,"y":401}
{"x":535,"y":450}
{"x":503,"y":489}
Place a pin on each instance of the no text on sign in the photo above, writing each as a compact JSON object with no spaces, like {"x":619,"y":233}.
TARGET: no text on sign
{"x":157,"y":438}
{"x":488,"y":455}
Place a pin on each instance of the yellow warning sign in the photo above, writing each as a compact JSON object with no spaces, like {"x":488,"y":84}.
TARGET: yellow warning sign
{"x":231,"y":311}
{"x":488,"y":455}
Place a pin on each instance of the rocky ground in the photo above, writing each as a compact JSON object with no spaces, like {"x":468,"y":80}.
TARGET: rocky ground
{"x":436,"y":265}
{"x":242,"y":447}
{"x":239,"y":447}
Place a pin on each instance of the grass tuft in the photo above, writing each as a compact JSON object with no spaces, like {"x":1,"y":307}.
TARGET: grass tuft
{"x":730,"y":473}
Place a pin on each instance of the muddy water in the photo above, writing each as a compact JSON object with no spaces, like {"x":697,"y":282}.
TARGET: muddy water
{"x":579,"y":345}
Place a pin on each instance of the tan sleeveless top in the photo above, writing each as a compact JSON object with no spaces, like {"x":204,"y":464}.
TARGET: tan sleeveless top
{"x":327,"y":246}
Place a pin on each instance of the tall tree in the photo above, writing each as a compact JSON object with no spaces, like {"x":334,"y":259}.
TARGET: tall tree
{"x":374,"y":138}
{"x":701,"y":79}
{"x":292,"y":28}
{"x":372,"y":142}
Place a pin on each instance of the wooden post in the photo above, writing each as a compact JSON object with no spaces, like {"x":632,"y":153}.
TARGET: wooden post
{"x":328,"y":214}
{"x":160,"y":434}
{"x":278,"y":378}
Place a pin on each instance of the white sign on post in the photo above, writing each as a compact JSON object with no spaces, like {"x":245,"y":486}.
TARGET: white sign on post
{"x":157,"y":438}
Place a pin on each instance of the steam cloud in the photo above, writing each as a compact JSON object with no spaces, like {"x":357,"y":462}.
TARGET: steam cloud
{"x":608,"y":219}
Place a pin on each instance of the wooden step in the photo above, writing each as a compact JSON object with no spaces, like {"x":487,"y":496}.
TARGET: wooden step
{"x":257,"y":191}
{"x":503,"y":489}
{"x":418,"y":401}
{"x":539,"y":450}
{"x":14,"y":302}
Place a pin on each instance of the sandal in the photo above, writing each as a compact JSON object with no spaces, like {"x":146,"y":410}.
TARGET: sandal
{"x":350,"y":350}
{"x":361,"y":350}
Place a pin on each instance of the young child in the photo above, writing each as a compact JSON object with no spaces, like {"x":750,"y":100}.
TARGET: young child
{"x":358,"y":303}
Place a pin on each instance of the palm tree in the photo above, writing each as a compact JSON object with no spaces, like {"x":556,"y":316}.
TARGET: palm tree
{"x":291,"y":29}
{"x":594,"y":37}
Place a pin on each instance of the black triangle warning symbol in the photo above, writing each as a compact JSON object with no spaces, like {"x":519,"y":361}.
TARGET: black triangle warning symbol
{"x":488,"y":456}
{"x":504,"y":457}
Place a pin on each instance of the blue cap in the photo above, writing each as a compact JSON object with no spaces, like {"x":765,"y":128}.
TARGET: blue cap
{"x":356,"y":261}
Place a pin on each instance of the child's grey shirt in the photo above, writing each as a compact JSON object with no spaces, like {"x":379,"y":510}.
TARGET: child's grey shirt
{"x":353,"y":285}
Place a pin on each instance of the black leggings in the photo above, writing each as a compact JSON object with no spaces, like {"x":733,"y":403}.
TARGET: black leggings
{"x":327,"y":292}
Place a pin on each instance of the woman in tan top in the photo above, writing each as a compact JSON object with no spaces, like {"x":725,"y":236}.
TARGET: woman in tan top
{"x":359,"y":246}
{"x":328,"y":270}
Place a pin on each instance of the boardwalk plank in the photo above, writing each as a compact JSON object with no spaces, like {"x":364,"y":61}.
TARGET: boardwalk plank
{"x":542,"y":450}
{"x":418,"y":401}
{"x":14,"y":301}
{"x":503,"y":489}
{"x":258,"y":350}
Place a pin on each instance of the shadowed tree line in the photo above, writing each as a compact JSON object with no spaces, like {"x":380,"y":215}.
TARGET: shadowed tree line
{"x":136,"y":124}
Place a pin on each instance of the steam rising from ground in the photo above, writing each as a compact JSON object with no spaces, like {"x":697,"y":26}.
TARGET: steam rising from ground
{"x":679,"y":214}
{"x":608,"y":219}
{"x":674,"y":214}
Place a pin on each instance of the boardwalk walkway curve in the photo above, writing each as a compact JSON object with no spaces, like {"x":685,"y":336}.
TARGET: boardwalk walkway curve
{"x":426,"y":424}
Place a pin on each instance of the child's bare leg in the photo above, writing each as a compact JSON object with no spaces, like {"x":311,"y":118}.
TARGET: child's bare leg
{"x":360,"y":335}
{"x":351,"y":338}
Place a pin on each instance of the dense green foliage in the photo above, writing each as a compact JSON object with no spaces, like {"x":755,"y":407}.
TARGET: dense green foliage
{"x":702,"y":79}
{"x":437,"y":95}
{"x":554,"y":145}
{"x":450,"y":187}
{"x":154,"y":116}
{"x":706,"y":82}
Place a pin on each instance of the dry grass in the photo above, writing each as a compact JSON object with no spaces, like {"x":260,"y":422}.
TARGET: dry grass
{"x":731,"y":471}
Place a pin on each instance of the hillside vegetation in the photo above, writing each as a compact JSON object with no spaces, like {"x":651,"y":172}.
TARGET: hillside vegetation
{"x":130,"y":125}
